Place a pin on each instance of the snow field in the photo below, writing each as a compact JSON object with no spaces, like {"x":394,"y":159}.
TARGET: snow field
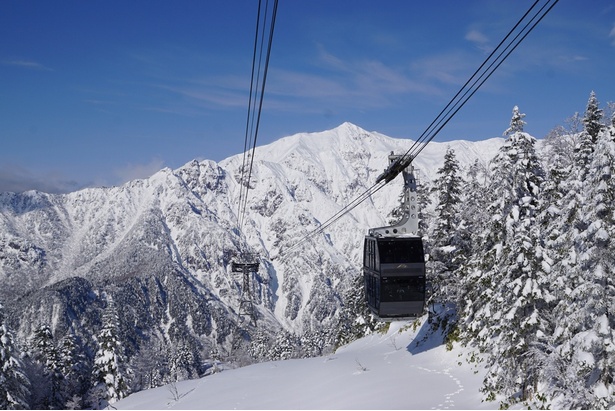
{"x":380,"y":371}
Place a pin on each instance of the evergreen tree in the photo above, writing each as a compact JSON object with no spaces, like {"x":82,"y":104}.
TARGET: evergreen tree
{"x":560,"y":144}
{"x":571,"y":195}
{"x":46,"y":373}
{"x":481,"y":272}
{"x":216,"y":356}
{"x":508,"y":312}
{"x":183,"y":361}
{"x":554,"y":239}
{"x":584,"y":336}
{"x":110,"y":382}
{"x":523,"y":296}
{"x":313,"y":343}
{"x":472,"y":213}
{"x":356,"y":319}
{"x":447,"y":187}
{"x":588,"y":137}
{"x":73,"y":367}
{"x":583,"y":154}
{"x":259,"y":346}
{"x":448,"y":239}
{"x":516,"y":122}
{"x":283,"y":347}
{"x":14,"y":385}
{"x":593,"y":117}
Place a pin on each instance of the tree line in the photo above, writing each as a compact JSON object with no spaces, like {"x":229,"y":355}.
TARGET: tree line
{"x":521,"y":247}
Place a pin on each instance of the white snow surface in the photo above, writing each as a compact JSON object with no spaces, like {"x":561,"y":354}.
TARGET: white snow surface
{"x":402,"y":369}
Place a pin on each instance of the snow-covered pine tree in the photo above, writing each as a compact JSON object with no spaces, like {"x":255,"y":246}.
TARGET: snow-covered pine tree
{"x":516,"y":122}
{"x":509,"y":317}
{"x":571,"y":223}
{"x":74,"y":370}
{"x":447,"y":187}
{"x":564,"y":221}
{"x":472,"y":213}
{"x":560,"y":144}
{"x":259,"y":345}
{"x":43,"y":346}
{"x":313,"y":343}
{"x":584,"y":336}
{"x":524,"y":296}
{"x":14,"y":385}
{"x":110,"y":369}
{"x":448,"y":240}
{"x":284,"y":346}
{"x":355,"y":319}
{"x":554,"y":191}
{"x":592,"y":120}
{"x":48,"y":376}
{"x":555,"y":239}
{"x":481,"y":274}
{"x":183,"y":362}
{"x":472,"y":226}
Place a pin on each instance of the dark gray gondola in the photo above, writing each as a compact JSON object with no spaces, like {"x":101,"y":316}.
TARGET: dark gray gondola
{"x":394,"y":274}
{"x":393,"y":256}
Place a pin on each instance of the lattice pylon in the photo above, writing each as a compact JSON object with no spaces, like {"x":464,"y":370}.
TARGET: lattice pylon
{"x":246,"y":304}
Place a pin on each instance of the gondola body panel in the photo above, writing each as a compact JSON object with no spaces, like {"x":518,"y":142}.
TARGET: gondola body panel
{"x":394,"y":275}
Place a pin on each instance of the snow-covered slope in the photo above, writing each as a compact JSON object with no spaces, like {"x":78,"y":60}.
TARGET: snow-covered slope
{"x":397,"y":370}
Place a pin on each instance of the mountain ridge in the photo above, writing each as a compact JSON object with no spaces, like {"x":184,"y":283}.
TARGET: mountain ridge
{"x":302,"y":174}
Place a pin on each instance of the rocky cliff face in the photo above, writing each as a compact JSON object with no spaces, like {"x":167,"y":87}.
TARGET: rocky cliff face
{"x":159,"y":250}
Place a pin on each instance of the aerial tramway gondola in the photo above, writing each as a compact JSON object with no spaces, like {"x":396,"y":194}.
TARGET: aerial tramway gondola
{"x":394,"y":261}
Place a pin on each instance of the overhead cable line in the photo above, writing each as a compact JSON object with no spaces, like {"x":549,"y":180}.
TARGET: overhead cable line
{"x":510,"y":42}
{"x":254,"y":110}
{"x":246,"y":141}
{"x":480,"y":76}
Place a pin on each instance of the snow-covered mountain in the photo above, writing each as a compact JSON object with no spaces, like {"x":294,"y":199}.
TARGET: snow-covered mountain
{"x":160,"y":249}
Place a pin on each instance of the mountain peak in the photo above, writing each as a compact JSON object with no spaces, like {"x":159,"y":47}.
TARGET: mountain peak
{"x":346,"y":130}
{"x":350,"y":128}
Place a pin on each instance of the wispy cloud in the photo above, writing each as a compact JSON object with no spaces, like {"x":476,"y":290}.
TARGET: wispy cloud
{"x":135,"y":171}
{"x":329,"y":80}
{"x":443,"y":70}
{"x":335,"y":81}
{"x":212,"y":95}
{"x":217,"y":91}
{"x":18,"y":179}
{"x":612,"y":35}
{"x":476,"y":36}
{"x":27,"y":64}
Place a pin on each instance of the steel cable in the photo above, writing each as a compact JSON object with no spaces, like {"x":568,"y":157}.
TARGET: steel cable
{"x":254,"y":110}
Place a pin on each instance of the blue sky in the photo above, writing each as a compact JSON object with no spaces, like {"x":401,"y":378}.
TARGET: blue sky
{"x":99,"y":92}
